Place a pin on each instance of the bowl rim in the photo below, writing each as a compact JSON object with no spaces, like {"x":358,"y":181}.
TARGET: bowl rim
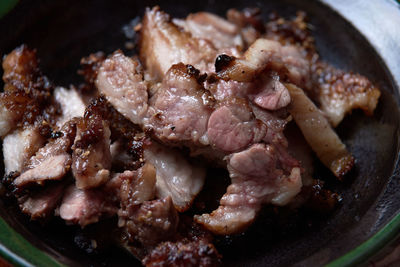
{"x":18,"y":251}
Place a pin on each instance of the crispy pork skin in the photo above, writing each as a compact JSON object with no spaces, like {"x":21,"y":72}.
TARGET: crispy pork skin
{"x":319,"y":133}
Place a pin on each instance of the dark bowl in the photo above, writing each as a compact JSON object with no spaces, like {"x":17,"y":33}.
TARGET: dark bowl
{"x":357,"y":35}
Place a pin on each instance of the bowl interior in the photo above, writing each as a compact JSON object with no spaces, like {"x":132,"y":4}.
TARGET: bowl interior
{"x":64,"y":31}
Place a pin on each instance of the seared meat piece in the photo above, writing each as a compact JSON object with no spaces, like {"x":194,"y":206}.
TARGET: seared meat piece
{"x":264,"y":55}
{"x":183,"y":253}
{"x":90,"y":67}
{"x":85,"y":207}
{"x":52,"y":161}
{"x":176,"y":177}
{"x":319,"y":134}
{"x":91,"y":158}
{"x":220,"y":32}
{"x":151,"y":222}
{"x":123,"y":86}
{"x":339,"y":92}
{"x":41,"y":205}
{"x":19,"y":146}
{"x":232,"y":126}
{"x":257,"y":178}
{"x":71,"y":104}
{"x":163,"y":44}
{"x":180,"y":108}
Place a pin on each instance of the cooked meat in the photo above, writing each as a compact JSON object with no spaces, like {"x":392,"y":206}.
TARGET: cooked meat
{"x":85,"y":207}
{"x":232,"y":126}
{"x":163,"y":44}
{"x":90,"y":67}
{"x":71,"y":104}
{"x":51,"y":162}
{"x":220,"y":32}
{"x":319,"y":134}
{"x":42,"y":204}
{"x":339,"y":92}
{"x":257,"y":178}
{"x":123,"y":86}
{"x":265,"y":55}
{"x":176,"y":177}
{"x":19,"y":146}
{"x":151,"y":222}
{"x":180,"y":108}
{"x":91,"y":158}
{"x":183,"y":253}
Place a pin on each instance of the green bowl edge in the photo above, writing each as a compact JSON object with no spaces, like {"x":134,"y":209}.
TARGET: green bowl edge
{"x":18,"y":251}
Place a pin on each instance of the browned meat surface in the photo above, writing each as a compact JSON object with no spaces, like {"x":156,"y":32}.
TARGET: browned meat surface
{"x":180,"y":108}
{"x":151,"y":222}
{"x":52,"y":161}
{"x":91,"y":158}
{"x":319,"y":133}
{"x":257,"y":178}
{"x":85,"y":207}
{"x":183,"y":253}
{"x":339,"y":92}
{"x":220,"y":32}
{"x":19,"y":146}
{"x":176,"y":177}
{"x":42,"y":204}
{"x":163,"y":44}
{"x":123,"y":86}
{"x":90,"y":66}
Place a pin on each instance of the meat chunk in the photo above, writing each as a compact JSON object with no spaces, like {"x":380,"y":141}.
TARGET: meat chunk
{"x":176,"y":177}
{"x":123,"y":86}
{"x":90,"y":66}
{"x":163,"y":44}
{"x":151,"y":222}
{"x":20,"y":146}
{"x":339,"y":92}
{"x":51,"y":162}
{"x":91,"y":158}
{"x":257,"y":178}
{"x":42,"y":204}
{"x":319,"y":134}
{"x":71,"y":104}
{"x":220,"y":32}
{"x":183,"y":253}
{"x":85,"y":207}
{"x":180,"y":108}
{"x":264,"y":55}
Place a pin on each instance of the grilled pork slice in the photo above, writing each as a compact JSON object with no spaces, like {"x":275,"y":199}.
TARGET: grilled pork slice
{"x":163,"y":44}
{"x":51,"y":162}
{"x":42,"y":204}
{"x":71,"y":104}
{"x":176,"y":177}
{"x":91,"y":158}
{"x":19,"y":146}
{"x":339,"y":92}
{"x":257,"y":178}
{"x":319,"y":133}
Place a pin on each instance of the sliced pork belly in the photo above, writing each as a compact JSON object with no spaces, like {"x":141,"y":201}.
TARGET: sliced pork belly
{"x":180,"y":108}
{"x":51,"y":162}
{"x":85,"y":207}
{"x":123,"y":86}
{"x":338,"y":92}
{"x":19,"y":146}
{"x":265,"y":55}
{"x":71,"y":104}
{"x":163,"y":44}
{"x":42,"y":204}
{"x":176,"y":177}
{"x":319,"y":133}
{"x":220,"y":32}
{"x":257,"y":178}
{"x":91,"y":158}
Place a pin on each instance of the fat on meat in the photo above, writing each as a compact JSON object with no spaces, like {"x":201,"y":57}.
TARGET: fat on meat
{"x":71,"y":104}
